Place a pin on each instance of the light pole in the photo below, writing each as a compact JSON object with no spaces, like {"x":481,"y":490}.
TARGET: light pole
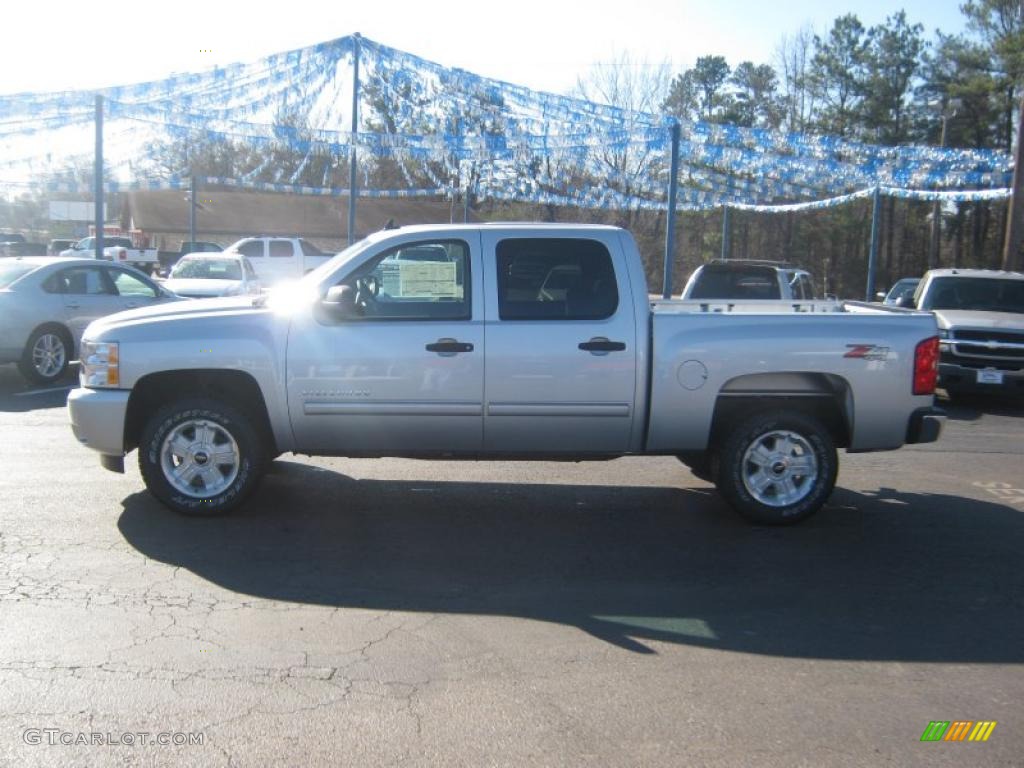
{"x":933,"y":246}
{"x":1013,"y":259}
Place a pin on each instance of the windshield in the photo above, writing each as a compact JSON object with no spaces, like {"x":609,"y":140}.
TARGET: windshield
{"x":11,"y":272}
{"x":981,"y":294}
{"x":207,"y":269}
{"x":903,"y":289}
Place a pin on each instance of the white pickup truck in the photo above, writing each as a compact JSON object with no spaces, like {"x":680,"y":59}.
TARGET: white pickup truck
{"x":502,"y":342}
{"x":276,"y":259}
{"x":118,"y":249}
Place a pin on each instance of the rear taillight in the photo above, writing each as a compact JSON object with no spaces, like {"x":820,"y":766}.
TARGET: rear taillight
{"x":926,"y":366}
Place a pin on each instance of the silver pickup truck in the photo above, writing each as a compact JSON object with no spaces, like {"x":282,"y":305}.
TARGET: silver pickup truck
{"x":980,"y":315}
{"x":502,"y":342}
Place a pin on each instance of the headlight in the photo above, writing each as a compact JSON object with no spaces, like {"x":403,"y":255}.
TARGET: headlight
{"x":943,"y":333}
{"x":99,"y":364}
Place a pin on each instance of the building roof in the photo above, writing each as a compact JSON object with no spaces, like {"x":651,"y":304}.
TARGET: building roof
{"x":237,"y":214}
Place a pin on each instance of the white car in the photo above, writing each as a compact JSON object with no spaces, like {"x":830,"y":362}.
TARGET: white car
{"x":202,"y":275}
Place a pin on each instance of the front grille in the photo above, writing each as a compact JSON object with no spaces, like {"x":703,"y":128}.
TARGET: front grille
{"x":987,"y":345}
{"x":1010,"y":337}
{"x":982,"y":362}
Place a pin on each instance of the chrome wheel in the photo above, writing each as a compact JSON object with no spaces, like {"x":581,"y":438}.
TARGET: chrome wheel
{"x":199,"y":458}
{"x":779,"y":468}
{"x":49,"y":355}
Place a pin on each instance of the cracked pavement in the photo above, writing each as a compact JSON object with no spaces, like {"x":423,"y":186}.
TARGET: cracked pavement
{"x":404,"y":613}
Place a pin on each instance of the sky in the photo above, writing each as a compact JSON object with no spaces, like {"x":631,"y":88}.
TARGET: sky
{"x":542,"y":45}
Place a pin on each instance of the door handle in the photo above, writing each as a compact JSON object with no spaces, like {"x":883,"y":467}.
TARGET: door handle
{"x":132,"y":304}
{"x":448,"y":347}
{"x":601,"y":346}
{"x":72,"y":305}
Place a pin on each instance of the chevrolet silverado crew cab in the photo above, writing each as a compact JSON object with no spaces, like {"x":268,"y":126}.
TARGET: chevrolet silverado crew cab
{"x":502,"y":342}
{"x":980,"y":316}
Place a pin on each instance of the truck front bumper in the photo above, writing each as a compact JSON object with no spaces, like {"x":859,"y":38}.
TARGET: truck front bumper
{"x":925,"y":425}
{"x":954,"y":377}
{"x":97,"y":419}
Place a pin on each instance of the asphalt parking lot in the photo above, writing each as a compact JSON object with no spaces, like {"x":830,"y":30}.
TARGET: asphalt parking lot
{"x":394,"y":612}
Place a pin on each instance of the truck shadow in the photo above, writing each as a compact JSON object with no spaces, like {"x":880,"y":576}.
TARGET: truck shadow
{"x":971,"y":407}
{"x":882,"y":576}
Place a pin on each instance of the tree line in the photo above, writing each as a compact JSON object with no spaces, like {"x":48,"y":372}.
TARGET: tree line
{"x":887,"y":84}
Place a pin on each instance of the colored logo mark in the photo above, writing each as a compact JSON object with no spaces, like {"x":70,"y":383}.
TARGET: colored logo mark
{"x":958,"y":730}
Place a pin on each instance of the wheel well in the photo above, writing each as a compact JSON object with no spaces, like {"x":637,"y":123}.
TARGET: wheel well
{"x":823,"y":396}
{"x":157,"y":389}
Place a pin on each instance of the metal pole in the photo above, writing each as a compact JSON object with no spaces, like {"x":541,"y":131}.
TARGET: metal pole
{"x":726,"y":233}
{"x":98,"y":179}
{"x":352,"y":144}
{"x":1013,"y":258}
{"x":670,"y":224}
{"x":933,"y":246}
{"x":465,"y":206}
{"x":192,"y":211}
{"x":876,"y":209}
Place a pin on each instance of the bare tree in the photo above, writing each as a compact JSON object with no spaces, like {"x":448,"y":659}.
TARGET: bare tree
{"x":638,"y":87}
{"x":793,"y":61}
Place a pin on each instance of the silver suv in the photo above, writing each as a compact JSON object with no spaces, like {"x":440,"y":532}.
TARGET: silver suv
{"x":747,"y":279}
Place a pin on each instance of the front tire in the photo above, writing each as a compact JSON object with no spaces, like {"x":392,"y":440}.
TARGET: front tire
{"x":46,"y":355}
{"x":200,"y":456}
{"x":777,"y":468}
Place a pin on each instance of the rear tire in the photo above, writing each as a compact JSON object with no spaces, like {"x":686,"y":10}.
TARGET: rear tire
{"x":201,"y":457}
{"x":776,"y":468}
{"x":46,"y":355}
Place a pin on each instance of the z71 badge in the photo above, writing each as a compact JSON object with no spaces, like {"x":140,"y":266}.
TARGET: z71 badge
{"x":867,"y":352}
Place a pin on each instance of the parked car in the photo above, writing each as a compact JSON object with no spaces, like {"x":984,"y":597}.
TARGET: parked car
{"x":374,"y":354}
{"x":748,"y":279}
{"x":46,"y":303}
{"x":57,"y":245}
{"x":11,"y":237}
{"x":980,"y":316}
{"x":280,"y":258}
{"x":22,"y":248}
{"x":901,"y":294}
{"x":201,"y":275}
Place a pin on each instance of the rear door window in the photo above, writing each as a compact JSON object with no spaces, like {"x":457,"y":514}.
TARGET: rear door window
{"x":281,"y":249}
{"x":555,"y":279}
{"x":81,"y":281}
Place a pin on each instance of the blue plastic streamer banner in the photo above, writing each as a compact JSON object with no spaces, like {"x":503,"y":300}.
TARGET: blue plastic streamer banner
{"x":444,"y":129}
{"x":184,"y":184}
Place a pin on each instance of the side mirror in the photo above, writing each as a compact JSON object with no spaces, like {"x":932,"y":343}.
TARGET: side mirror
{"x":880,"y":295}
{"x":340,"y":302}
